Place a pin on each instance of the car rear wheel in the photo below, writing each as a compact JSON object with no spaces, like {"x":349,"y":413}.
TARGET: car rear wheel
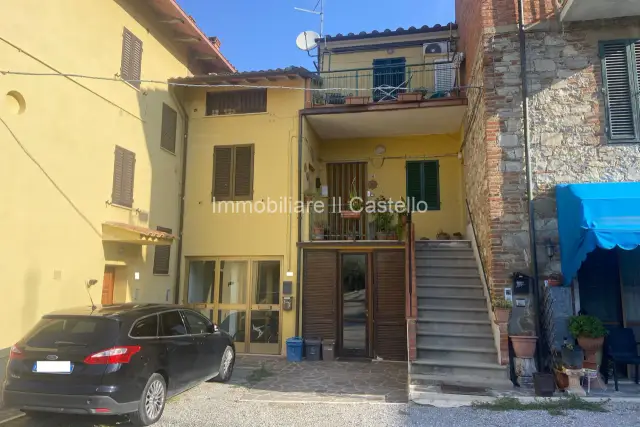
{"x":151,"y":403}
{"x":226,"y":365}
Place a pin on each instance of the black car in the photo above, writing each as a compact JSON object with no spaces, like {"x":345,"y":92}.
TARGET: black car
{"x":115,"y":359}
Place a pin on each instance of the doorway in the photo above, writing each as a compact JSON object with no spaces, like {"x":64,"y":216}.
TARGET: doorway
{"x":108,"y":284}
{"x":354,"y":299}
{"x":341,"y":178}
{"x":242,"y":296}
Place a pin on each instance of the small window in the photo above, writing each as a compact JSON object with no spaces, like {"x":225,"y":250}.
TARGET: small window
{"x":71,"y":329}
{"x":237,"y":102}
{"x":145,"y":328}
{"x":423,"y":185}
{"x":169,"y":127}
{"x":131,"y":59}
{"x":171,"y":324}
{"x":123,"y":175}
{"x":233,"y":172}
{"x":162,"y":256}
{"x":197,"y":324}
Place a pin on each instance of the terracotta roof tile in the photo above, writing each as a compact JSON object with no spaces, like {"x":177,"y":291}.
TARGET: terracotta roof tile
{"x":397,"y":32}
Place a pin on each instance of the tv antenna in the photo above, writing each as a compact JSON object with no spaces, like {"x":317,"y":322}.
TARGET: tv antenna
{"x":315,"y":11}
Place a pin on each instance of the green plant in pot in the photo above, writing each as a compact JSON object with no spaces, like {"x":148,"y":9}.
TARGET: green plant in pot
{"x":572,"y":355}
{"x":589,"y":332}
{"x":502,"y":309}
{"x":524,"y":338}
{"x":354,"y":208}
{"x":318,"y":230}
{"x":383,"y":217}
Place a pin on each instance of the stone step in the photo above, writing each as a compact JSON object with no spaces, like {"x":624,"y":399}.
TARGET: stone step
{"x":457,"y":353}
{"x":430,"y":290}
{"x":443,"y":244}
{"x":451,"y":301}
{"x":489,"y":371}
{"x":444,"y":262}
{"x":452,"y":313}
{"x":484,"y":340}
{"x":418,"y":382}
{"x":434,"y":324}
{"x":447,"y":279}
{"x":449,"y":252}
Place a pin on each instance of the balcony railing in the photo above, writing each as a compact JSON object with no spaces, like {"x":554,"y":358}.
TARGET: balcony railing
{"x":388,"y":83}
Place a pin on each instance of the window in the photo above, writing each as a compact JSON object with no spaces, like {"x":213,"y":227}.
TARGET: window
{"x":171,"y":324}
{"x":146,"y":327}
{"x":423,"y":185}
{"x":162,"y":255}
{"x":131,"y":60}
{"x":621,"y":79}
{"x":123,"y":173}
{"x":233,"y":172}
{"x":197,"y":324}
{"x":169,"y":127}
{"x":78,"y":330}
{"x":237,"y":102}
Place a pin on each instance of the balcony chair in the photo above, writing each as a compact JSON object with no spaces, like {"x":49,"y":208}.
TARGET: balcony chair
{"x":622,"y":348}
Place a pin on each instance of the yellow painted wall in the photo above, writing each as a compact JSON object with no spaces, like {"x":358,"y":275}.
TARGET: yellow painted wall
{"x":275,"y":136}
{"x":57,"y":156}
{"x":391,"y":175}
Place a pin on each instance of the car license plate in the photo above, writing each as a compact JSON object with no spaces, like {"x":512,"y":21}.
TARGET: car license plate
{"x":48,"y":367}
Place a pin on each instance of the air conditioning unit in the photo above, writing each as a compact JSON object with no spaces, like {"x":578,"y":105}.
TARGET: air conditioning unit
{"x":435,"y":48}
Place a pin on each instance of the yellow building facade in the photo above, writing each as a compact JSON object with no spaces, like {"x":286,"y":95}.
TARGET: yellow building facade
{"x":92,"y":169}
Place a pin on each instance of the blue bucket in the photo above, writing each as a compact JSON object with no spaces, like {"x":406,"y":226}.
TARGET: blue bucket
{"x":294,"y":349}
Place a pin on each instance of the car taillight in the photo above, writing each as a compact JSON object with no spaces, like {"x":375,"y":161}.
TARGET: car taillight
{"x":121,"y":354}
{"x":16,"y":353}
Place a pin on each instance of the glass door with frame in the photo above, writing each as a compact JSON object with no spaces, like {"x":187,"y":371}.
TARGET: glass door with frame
{"x":201,"y":286}
{"x":354,"y":300}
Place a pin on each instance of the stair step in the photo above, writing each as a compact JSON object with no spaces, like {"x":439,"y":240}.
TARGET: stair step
{"x":446,"y":313}
{"x":479,"y":340}
{"x":448,"y":280}
{"x":457,"y":354}
{"x":464,"y":264}
{"x":491,"y":371}
{"x":428,"y":290}
{"x":443,"y":243}
{"x":450,"y":301}
{"x":417,"y":380}
{"x":447,"y":326}
{"x":462,"y":321}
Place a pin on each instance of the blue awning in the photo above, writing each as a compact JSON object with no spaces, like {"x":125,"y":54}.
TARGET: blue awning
{"x":603,"y":215}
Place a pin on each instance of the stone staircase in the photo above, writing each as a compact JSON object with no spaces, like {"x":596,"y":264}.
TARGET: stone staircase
{"x":455,"y":344}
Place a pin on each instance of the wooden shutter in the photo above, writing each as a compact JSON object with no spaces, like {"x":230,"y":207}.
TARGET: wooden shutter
{"x":131,"y":59}
{"x":162,"y":256}
{"x":617,"y":70}
{"x":390,"y":330}
{"x":319,"y":289}
{"x":222,"y":168}
{"x":431,"y":185}
{"x":414,"y":183}
{"x":123,"y":177}
{"x":236,"y":102}
{"x":243,"y":173}
{"x":168,"y":130}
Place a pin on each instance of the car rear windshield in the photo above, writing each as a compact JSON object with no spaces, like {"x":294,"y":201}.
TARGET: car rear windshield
{"x":73,"y":330}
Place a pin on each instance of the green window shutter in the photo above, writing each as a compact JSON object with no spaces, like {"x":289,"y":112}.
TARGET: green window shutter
{"x":617,"y":73}
{"x":431,"y":184}
{"x":414,"y":183}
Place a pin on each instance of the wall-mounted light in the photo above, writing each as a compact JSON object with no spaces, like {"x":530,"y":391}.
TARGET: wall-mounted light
{"x":380,"y":150}
{"x":551,"y":248}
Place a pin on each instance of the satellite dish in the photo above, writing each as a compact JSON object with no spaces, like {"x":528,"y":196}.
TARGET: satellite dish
{"x":306,"y":40}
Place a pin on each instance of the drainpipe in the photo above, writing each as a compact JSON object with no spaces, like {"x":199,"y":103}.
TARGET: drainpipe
{"x":527,"y":153}
{"x":299,"y":249}
{"x":185,"y":120}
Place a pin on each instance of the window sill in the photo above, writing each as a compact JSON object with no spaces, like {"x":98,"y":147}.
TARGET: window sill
{"x":236,"y":115}
{"x":622,"y":141}
{"x":168,"y":151}
{"x":116,"y":205}
{"x":161,"y":274}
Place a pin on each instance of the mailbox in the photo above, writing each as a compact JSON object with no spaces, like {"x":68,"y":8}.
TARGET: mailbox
{"x":287,"y":303}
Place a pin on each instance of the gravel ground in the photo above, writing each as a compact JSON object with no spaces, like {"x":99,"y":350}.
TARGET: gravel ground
{"x":222,"y":405}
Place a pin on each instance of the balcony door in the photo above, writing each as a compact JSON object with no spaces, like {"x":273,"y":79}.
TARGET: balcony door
{"x":388,"y":78}
{"x":341,"y":177}
{"x":242,"y":296}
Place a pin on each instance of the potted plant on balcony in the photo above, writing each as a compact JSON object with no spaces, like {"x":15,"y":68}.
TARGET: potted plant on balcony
{"x":354,"y":208}
{"x":383,"y":217}
{"x":318,"y":230}
{"x":590,"y":333}
{"x":442,"y":235}
{"x":502,"y":309}
{"x":412,"y":96}
{"x":357,"y":100}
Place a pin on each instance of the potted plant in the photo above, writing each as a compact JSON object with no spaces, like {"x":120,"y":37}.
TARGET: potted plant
{"x":410,"y":96}
{"x":457,"y":236}
{"x":572,"y":355}
{"x":554,"y":279}
{"x":358,"y":100}
{"x":524,"y":344}
{"x":354,"y":210}
{"x":590,"y":333}
{"x":383,"y":219}
{"x":562,"y":380}
{"x":544,"y":384}
{"x":318,"y":231}
{"x":502,"y":309}
{"x":442,"y":235}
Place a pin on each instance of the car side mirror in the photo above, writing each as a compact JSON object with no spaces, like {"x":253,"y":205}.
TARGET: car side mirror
{"x":212,"y":328}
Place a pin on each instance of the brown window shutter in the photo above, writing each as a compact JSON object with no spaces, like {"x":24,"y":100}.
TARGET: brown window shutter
{"x":169,"y":125}
{"x":222,"y":168}
{"x":319,"y":289}
{"x":116,"y":193}
{"x":162,"y":256}
{"x":243,"y":173}
{"x":128,"y":174}
{"x":136,"y":61}
{"x":389,"y":305}
{"x":125,"y":60}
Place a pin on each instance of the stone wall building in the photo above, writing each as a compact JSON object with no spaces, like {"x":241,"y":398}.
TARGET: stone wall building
{"x":569,"y":137}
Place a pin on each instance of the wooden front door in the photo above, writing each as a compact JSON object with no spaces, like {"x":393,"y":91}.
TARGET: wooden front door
{"x":108,"y":283}
{"x":390,"y":330}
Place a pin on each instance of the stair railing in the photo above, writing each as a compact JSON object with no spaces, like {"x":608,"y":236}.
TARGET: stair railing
{"x":411,"y":295}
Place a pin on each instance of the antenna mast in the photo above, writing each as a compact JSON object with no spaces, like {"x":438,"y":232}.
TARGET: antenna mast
{"x":316,"y":12}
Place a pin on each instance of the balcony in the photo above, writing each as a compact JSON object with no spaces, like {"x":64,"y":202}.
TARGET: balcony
{"x":587,"y":10}
{"x":389,"y":84}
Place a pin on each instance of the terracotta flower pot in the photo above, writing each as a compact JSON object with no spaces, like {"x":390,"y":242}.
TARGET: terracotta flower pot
{"x":350,"y":214}
{"x":524,"y":346}
{"x":562,"y":380}
{"x":502,"y":314}
{"x":590,"y":345}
